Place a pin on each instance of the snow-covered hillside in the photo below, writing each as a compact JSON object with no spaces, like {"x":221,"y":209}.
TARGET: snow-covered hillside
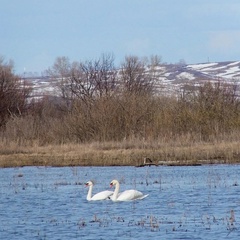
{"x":169,"y":77}
{"x":172,"y":77}
{"x":225,"y":70}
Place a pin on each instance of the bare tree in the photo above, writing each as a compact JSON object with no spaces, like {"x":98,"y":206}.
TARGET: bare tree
{"x":134,"y":76}
{"x":93,"y":79}
{"x":84,"y":80}
{"x":155,"y":60}
{"x":13,"y":93}
{"x":60,"y":73}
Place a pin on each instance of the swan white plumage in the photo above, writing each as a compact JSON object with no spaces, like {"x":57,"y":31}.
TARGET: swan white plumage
{"x":127,"y":195}
{"x":98,"y":196}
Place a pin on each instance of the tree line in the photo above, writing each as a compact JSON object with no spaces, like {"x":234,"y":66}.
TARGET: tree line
{"x":95,"y":101}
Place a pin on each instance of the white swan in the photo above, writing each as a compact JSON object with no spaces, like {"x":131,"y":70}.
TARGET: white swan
{"x":127,"y":195}
{"x":98,"y":196}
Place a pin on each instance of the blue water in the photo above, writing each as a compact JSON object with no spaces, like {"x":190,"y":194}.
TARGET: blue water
{"x":183,"y":203}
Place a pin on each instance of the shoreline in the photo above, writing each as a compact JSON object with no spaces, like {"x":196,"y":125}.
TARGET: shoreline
{"x":115,"y":154}
{"x":29,"y":161}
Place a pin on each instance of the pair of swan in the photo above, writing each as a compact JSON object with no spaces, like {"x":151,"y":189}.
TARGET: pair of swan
{"x":115,"y":196}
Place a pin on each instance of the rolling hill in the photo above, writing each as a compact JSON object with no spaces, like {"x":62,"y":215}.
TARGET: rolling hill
{"x":169,"y":78}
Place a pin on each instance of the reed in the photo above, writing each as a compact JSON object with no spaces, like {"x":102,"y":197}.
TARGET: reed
{"x":124,"y":153}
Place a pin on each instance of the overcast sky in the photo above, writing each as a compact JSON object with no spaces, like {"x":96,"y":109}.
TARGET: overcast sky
{"x":34,"y":32}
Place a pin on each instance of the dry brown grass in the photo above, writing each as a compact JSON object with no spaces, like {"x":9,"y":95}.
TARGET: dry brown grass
{"x":125,"y":153}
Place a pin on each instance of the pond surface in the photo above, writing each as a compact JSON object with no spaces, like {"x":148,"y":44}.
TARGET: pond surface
{"x":200,"y":202}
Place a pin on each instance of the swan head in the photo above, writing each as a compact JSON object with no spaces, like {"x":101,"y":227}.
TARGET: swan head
{"x":113,"y":183}
{"x":89,"y":183}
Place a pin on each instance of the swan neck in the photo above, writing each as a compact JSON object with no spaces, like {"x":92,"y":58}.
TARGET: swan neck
{"x":89,"y":195}
{"x":116,"y":191}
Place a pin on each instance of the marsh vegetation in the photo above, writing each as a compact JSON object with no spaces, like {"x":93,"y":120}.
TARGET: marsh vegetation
{"x":101,"y":116}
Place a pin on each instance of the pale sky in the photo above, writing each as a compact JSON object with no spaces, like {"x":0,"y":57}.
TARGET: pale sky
{"x":34,"y":32}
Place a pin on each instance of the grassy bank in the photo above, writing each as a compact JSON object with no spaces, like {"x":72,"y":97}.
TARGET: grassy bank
{"x":125,"y":153}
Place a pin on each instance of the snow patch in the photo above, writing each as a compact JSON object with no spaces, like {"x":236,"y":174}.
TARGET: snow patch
{"x":201,"y":66}
{"x":186,"y":75}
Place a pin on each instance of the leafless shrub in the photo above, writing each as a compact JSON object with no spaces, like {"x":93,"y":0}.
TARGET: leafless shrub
{"x":13,"y":93}
{"x":210,"y":110}
{"x":97,"y":104}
